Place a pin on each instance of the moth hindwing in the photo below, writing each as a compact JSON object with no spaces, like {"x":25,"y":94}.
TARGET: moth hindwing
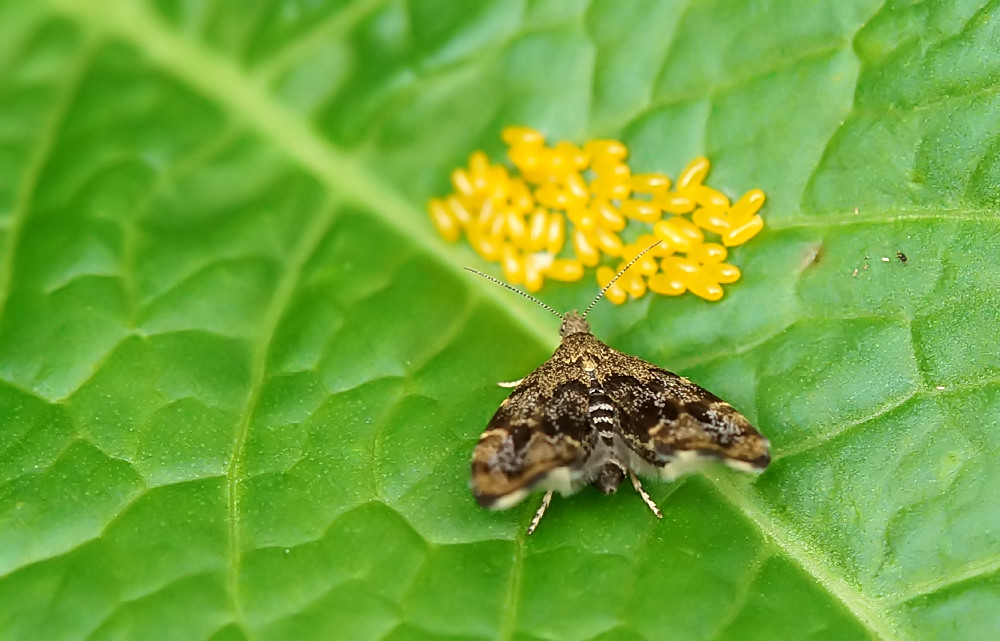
{"x":593,"y":415}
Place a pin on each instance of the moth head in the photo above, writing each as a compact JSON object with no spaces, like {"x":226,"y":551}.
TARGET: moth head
{"x":573,"y":323}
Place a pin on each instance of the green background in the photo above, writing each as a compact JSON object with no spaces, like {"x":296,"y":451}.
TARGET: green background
{"x":241,"y":376}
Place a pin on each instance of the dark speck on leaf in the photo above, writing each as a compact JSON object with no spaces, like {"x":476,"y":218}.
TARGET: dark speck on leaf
{"x":813,"y":256}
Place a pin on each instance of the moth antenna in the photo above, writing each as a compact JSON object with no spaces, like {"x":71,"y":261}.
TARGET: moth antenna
{"x":617,"y":276}
{"x":514,"y":289}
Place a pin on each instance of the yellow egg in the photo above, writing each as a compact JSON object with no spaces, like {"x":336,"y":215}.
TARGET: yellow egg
{"x":565,"y":269}
{"x":743,"y":233}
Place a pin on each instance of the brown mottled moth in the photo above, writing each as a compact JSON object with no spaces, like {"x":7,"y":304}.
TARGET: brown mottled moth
{"x":591,"y":414}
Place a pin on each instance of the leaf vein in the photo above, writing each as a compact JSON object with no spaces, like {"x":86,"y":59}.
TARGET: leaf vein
{"x":36,"y":164}
{"x":975,"y":570}
{"x":797,"y":551}
{"x":310,"y":239}
{"x":347,"y":178}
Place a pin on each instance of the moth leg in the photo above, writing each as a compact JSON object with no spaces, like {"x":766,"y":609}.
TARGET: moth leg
{"x":510,"y":383}
{"x":645,"y":497}
{"x":541,"y":511}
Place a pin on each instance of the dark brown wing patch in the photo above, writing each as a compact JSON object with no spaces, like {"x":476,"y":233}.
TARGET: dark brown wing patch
{"x":667,"y":418}
{"x":530,"y":438}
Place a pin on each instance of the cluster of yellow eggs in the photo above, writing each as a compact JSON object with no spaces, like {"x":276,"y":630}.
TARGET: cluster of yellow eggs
{"x":589,"y":195}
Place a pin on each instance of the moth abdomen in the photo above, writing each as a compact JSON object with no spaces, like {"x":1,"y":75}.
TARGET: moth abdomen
{"x":610,"y":477}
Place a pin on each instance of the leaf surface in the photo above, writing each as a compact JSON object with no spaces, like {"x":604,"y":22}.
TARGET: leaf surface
{"x":241,"y":377}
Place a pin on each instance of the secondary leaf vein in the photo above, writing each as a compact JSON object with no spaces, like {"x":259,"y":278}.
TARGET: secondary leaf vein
{"x":864,"y":609}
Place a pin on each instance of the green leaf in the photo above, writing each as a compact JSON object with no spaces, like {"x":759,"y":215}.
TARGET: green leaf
{"x":241,"y":376}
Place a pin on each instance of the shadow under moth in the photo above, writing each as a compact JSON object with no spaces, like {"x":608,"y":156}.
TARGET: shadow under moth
{"x":593,"y":415}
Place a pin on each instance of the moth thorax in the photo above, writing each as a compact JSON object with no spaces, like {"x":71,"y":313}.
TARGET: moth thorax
{"x":573,"y":323}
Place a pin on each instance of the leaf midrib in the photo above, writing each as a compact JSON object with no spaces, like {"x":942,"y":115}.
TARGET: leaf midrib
{"x":244,"y":97}
{"x":811,"y":562}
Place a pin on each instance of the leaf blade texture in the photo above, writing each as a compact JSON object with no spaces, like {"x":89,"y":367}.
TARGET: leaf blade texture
{"x":241,"y":377}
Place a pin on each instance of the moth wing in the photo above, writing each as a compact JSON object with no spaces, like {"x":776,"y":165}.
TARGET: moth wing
{"x":668,"y":422}
{"x":540,"y":437}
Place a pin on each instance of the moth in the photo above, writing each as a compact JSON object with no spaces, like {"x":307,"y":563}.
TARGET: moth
{"x":593,"y":415}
